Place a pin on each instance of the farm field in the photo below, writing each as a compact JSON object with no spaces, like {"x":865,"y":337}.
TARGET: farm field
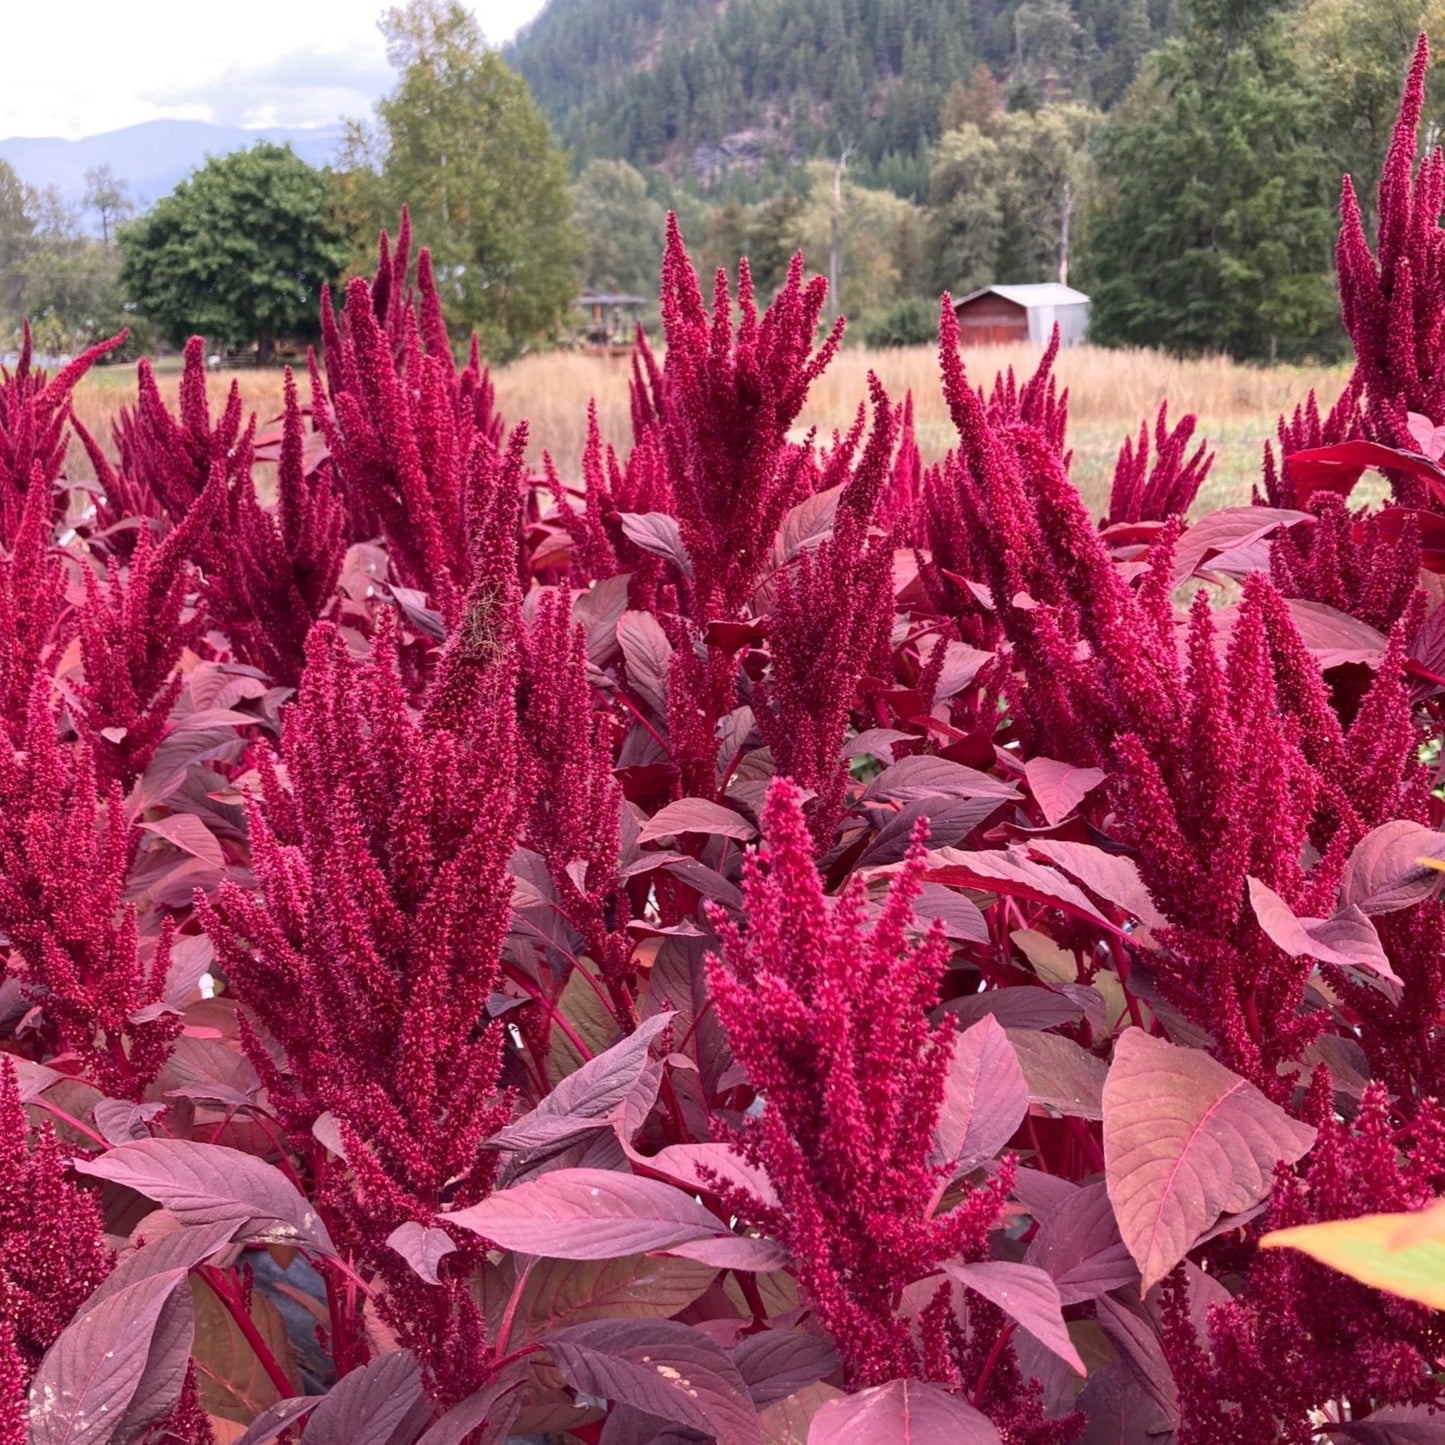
{"x":1110,"y":392}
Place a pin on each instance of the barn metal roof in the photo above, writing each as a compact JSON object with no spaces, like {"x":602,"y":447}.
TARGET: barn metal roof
{"x":609,"y":298}
{"x":1043,"y":293}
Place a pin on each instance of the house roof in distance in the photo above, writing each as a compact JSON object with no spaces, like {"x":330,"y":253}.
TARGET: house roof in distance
{"x":1042,"y":293}
{"x":609,"y":298}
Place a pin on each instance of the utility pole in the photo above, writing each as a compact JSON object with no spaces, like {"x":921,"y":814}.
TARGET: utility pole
{"x":833,"y":232}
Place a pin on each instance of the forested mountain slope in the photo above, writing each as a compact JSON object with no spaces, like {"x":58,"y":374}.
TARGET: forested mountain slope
{"x":710,"y":89}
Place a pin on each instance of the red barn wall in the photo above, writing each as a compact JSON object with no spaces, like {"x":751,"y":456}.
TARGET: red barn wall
{"x":992,"y":321}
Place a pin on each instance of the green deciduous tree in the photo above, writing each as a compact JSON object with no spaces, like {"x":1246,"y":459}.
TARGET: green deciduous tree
{"x":461,"y":142}
{"x":1216,"y":218}
{"x":1358,"y":55}
{"x":236,"y":252}
{"x":876,"y":242}
{"x":622,"y":228}
{"x":72,"y":293}
{"x":997,"y":198}
{"x":17,"y":239}
{"x":62,"y":280}
{"x":109,"y":198}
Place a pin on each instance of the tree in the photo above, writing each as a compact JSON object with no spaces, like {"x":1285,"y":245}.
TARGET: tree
{"x":461,"y":142}
{"x":622,"y":227}
{"x":997,"y":199}
{"x":72,"y":288}
{"x":1215,"y":224}
{"x":17,"y":233}
{"x":979,"y":102}
{"x":237,"y":252}
{"x":1358,"y":54}
{"x":109,"y":199}
{"x":965,"y":209}
{"x":63,"y":281}
{"x":875,"y":235}
{"x":1048,"y":46}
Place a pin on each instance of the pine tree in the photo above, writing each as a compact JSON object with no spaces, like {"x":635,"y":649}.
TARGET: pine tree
{"x":1215,"y":224}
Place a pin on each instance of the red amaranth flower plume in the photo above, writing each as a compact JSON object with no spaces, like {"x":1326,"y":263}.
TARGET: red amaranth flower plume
{"x":14,"y":1413}
{"x":1304,"y":430}
{"x":1094,"y":657}
{"x":600,"y":545}
{"x":371,"y":946}
{"x":830,"y":618}
{"x":827,"y":1016}
{"x":52,"y":1244}
{"x":1350,"y":562}
{"x":1141,"y":493}
{"x":413,"y":440}
{"x":32,"y":600}
{"x":166,"y":462}
{"x":279,"y":572}
{"x":900,"y":507}
{"x":1299,"y":1333}
{"x":133,"y":629}
{"x":728,"y":399}
{"x":34,"y":409}
{"x":1232,"y":800}
{"x":1392,"y":300}
{"x":573,"y":799}
{"x":64,"y":857}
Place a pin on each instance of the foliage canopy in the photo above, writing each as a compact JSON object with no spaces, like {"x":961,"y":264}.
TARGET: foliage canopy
{"x":462,"y":144}
{"x":1214,"y":223}
{"x":237,"y":251}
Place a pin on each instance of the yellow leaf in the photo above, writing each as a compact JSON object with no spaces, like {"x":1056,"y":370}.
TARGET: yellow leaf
{"x":581,"y":1004}
{"x":233,"y":1382}
{"x":786,"y":1422}
{"x":562,"y":1292}
{"x":1401,"y":1253}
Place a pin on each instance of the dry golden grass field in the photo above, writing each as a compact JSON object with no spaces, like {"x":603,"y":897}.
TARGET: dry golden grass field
{"x":1110,"y":393}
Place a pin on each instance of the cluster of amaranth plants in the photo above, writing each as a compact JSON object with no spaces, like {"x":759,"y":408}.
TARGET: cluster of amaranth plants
{"x":763,"y":941}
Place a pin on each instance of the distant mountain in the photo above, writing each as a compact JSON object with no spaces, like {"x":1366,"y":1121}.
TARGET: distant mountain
{"x":152,"y":157}
{"x":709,"y":90}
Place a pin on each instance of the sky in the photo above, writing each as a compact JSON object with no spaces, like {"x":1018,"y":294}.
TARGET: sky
{"x":79,"y":67}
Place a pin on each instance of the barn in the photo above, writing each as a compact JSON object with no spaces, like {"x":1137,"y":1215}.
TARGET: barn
{"x":1000,"y":314}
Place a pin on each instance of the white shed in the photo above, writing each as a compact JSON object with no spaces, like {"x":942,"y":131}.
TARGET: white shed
{"x":999,"y":314}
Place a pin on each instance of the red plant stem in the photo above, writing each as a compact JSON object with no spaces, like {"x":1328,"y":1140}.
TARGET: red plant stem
{"x":350,"y":1275}
{"x":1120,"y":957}
{"x":504,"y":1330}
{"x":994,"y":1356}
{"x":1033,"y":1133}
{"x":284,"y":1163}
{"x":540,"y":995}
{"x":220,"y":1286}
{"x":1079,"y":1128}
{"x":701,"y":1014}
{"x":40,"y":1101}
{"x":673,"y":1122}
{"x":516,"y":1355}
{"x":341,"y":1331}
{"x":341,"y":1304}
{"x":223,"y":1124}
{"x":748,"y":1284}
{"x":636,"y":712}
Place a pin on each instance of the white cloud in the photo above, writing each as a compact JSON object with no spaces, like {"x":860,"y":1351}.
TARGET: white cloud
{"x":79,"y":67}
{"x":501,"y":19}
{"x":302,"y":87}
